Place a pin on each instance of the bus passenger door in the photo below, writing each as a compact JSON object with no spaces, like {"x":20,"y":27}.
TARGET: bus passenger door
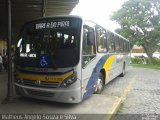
{"x":88,"y":55}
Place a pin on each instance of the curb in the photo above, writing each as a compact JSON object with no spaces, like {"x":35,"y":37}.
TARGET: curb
{"x":114,"y":109}
{"x":120,"y":100}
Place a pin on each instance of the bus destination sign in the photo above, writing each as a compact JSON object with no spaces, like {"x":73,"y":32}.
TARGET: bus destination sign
{"x":48,"y":25}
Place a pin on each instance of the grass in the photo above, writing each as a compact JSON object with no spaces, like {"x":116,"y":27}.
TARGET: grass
{"x":150,"y":66}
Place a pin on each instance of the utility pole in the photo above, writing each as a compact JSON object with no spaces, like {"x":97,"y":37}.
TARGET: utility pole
{"x":10,"y":91}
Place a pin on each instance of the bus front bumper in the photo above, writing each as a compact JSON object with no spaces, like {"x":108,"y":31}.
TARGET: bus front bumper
{"x":51,"y":94}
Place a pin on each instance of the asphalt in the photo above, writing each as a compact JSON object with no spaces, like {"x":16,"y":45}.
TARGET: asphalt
{"x":96,"y":107}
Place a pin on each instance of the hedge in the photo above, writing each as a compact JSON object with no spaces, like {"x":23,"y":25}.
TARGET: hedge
{"x":140,"y":60}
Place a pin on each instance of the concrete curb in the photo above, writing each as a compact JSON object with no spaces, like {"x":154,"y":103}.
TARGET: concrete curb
{"x":114,"y":109}
{"x":120,"y":100}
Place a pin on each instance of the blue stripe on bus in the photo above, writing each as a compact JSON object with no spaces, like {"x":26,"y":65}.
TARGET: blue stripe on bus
{"x":94,"y":77}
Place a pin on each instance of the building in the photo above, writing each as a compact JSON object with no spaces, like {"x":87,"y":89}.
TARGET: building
{"x":139,"y":51}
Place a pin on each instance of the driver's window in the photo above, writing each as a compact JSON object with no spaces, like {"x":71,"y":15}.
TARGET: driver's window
{"x":88,"y":51}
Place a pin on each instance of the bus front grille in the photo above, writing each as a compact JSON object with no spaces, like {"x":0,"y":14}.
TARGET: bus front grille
{"x":40,"y":83}
{"x":39,"y":93}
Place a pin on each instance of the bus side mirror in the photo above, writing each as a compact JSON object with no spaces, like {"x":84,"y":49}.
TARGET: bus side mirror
{"x":90,"y":38}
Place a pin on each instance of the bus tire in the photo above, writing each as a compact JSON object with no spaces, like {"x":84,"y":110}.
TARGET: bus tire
{"x":123,"y":71}
{"x":100,"y":84}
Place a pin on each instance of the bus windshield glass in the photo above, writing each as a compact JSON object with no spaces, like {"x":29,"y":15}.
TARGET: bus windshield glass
{"x":55,"y":42}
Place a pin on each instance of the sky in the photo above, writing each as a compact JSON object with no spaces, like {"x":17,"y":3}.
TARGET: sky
{"x":99,"y":11}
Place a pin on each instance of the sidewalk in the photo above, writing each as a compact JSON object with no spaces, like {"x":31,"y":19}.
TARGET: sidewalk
{"x":96,"y":107}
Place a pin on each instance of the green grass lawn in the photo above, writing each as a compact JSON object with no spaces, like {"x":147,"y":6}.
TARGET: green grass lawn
{"x":150,"y":66}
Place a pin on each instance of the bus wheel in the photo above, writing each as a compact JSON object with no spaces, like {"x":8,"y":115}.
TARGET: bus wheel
{"x":123,"y":71}
{"x":100,"y":84}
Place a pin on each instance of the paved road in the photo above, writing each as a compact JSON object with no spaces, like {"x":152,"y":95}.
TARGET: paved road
{"x":144,"y":98}
{"x":143,"y":93}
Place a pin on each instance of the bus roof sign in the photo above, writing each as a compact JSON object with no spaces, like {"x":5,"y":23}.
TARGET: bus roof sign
{"x":49,"y":25}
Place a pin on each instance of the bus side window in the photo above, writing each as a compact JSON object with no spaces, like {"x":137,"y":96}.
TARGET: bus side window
{"x":125,"y":48}
{"x":111,"y":42}
{"x":121,"y":45}
{"x":88,"y":49}
{"x":117,"y":44}
{"x":101,"y":40}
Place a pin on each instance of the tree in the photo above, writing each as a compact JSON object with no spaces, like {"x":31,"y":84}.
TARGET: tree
{"x":140,"y":23}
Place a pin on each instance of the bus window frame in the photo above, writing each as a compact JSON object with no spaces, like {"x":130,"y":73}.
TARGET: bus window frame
{"x":94,"y":45}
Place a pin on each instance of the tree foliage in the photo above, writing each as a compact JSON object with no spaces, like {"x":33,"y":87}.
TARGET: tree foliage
{"x":140,"y":23}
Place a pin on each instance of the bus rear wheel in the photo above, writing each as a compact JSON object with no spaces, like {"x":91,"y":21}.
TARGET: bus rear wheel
{"x":100,"y":84}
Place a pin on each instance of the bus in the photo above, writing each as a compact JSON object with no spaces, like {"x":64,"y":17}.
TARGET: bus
{"x":67,"y":59}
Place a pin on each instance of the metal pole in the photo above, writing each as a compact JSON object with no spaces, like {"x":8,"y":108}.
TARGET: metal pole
{"x":10,"y":93}
{"x":44,"y":5}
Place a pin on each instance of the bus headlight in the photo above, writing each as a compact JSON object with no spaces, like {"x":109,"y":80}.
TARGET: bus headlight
{"x":70,"y":80}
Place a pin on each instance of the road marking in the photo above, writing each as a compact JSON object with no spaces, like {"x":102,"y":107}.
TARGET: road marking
{"x":128,"y":89}
{"x":114,"y":109}
{"x":120,"y":100}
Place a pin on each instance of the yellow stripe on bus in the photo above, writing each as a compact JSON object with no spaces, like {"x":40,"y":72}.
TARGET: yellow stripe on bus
{"x":49,"y":78}
{"x":108,"y":64}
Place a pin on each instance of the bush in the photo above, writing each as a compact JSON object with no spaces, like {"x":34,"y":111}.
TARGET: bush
{"x":137,"y":60}
{"x":141,"y":60}
{"x":154,"y":61}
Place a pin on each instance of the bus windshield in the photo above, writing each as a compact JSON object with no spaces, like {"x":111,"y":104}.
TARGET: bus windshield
{"x":58,"y":47}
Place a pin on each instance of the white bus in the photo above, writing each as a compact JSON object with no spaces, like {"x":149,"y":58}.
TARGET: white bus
{"x":67,"y":59}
